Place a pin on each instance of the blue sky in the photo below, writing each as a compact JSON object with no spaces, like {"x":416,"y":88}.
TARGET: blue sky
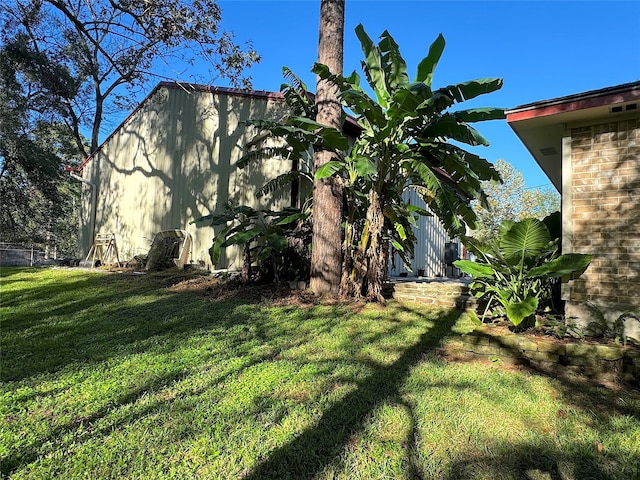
{"x":542,"y":49}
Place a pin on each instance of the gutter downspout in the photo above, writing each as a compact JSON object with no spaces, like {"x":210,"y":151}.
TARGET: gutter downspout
{"x":94,"y":206}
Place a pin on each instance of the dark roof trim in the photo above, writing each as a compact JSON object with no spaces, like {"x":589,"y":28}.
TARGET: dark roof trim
{"x":580,"y":101}
{"x":350,"y":125}
{"x":232,"y":92}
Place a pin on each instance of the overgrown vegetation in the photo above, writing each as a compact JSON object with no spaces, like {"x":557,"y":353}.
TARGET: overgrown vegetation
{"x":411,"y":132}
{"x":116,"y":376}
{"x":409,"y":136}
{"x":39,"y":202}
{"x":615,"y":330}
{"x":276,"y":241}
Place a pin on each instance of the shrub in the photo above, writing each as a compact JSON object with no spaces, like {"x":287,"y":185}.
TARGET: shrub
{"x":514,"y":274}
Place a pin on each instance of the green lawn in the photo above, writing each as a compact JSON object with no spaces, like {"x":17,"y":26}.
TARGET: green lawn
{"x":118,"y":376}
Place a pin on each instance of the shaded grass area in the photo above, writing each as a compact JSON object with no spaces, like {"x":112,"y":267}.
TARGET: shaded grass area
{"x":113,"y":376}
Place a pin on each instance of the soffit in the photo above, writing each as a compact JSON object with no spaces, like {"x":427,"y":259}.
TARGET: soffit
{"x":541,"y":125}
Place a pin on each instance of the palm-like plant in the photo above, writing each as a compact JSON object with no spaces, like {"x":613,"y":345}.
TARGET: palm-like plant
{"x":406,"y":143}
{"x":293,"y":140}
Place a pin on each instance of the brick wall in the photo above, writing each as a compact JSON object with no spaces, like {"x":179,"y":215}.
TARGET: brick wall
{"x":605,"y":212}
{"x":438,"y":292}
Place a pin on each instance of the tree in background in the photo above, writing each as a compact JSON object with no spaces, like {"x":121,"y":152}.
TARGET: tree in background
{"x":511,"y":200}
{"x":38,"y":202}
{"x":326,"y":252}
{"x":66,"y":65}
{"x":80,"y":61}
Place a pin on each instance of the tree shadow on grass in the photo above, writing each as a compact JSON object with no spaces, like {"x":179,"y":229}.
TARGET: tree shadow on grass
{"x":28,"y":451}
{"x":584,"y":391}
{"x":317,"y":447}
{"x":81,"y":319}
{"x":607,"y":406}
{"x":126,"y":318}
{"x":533,"y":461}
{"x":43,"y":343}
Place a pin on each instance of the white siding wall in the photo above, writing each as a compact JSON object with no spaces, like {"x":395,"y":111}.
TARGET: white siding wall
{"x":429,"y":250}
{"x":174,"y":161}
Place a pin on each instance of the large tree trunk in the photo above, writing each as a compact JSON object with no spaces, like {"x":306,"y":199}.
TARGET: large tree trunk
{"x":245,"y":275}
{"x":353,"y":264}
{"x":327,"y":194}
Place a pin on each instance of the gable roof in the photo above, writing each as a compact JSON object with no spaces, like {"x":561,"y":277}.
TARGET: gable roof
{"x":351,"y":126}
{"x":540,"y":125}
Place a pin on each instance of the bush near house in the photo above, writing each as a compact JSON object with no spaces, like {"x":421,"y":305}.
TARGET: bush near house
{"x":514,"y":274}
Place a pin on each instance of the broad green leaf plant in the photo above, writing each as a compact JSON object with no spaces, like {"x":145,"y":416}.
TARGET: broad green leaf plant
{"x":409,"y":140}
{"x":292,"y":140}
{"x":278,"y":241}
{"x":275,"y":240}
{"x":513,"y":274}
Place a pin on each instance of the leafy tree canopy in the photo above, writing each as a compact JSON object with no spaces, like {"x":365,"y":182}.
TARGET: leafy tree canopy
{"x":511,"y":200}
{"x":64,"y":67}
{"x":38,"y":202}
{"x":78,"y":61}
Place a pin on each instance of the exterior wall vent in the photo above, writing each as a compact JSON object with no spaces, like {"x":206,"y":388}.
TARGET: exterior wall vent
{"x":624,"y":108}
{"x":548,"y":151}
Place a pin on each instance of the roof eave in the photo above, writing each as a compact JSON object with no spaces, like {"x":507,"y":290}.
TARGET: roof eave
{"x":595,"y":98}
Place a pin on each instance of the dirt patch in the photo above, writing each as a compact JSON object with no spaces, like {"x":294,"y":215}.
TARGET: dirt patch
{"x":218,"y":289}
{"x":546,"y":334}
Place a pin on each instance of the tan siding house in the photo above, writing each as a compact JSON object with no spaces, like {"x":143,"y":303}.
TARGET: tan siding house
{"x":173,"y":160}
{"x":589,"y":146}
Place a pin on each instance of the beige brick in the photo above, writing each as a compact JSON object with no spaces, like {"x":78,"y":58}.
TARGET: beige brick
{"x":577,"y":297}
{"x":606,"y":209}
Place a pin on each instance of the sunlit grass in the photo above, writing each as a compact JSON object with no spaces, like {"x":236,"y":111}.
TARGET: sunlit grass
{"x":112,"y":376}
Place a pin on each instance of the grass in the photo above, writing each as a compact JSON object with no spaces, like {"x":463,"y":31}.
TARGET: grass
{"x":114,"y":376}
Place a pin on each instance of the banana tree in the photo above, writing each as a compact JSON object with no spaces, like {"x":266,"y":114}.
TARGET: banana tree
{"x":293,"y":140}
{"x":406,"y":143}
{"x":513,"y":273}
